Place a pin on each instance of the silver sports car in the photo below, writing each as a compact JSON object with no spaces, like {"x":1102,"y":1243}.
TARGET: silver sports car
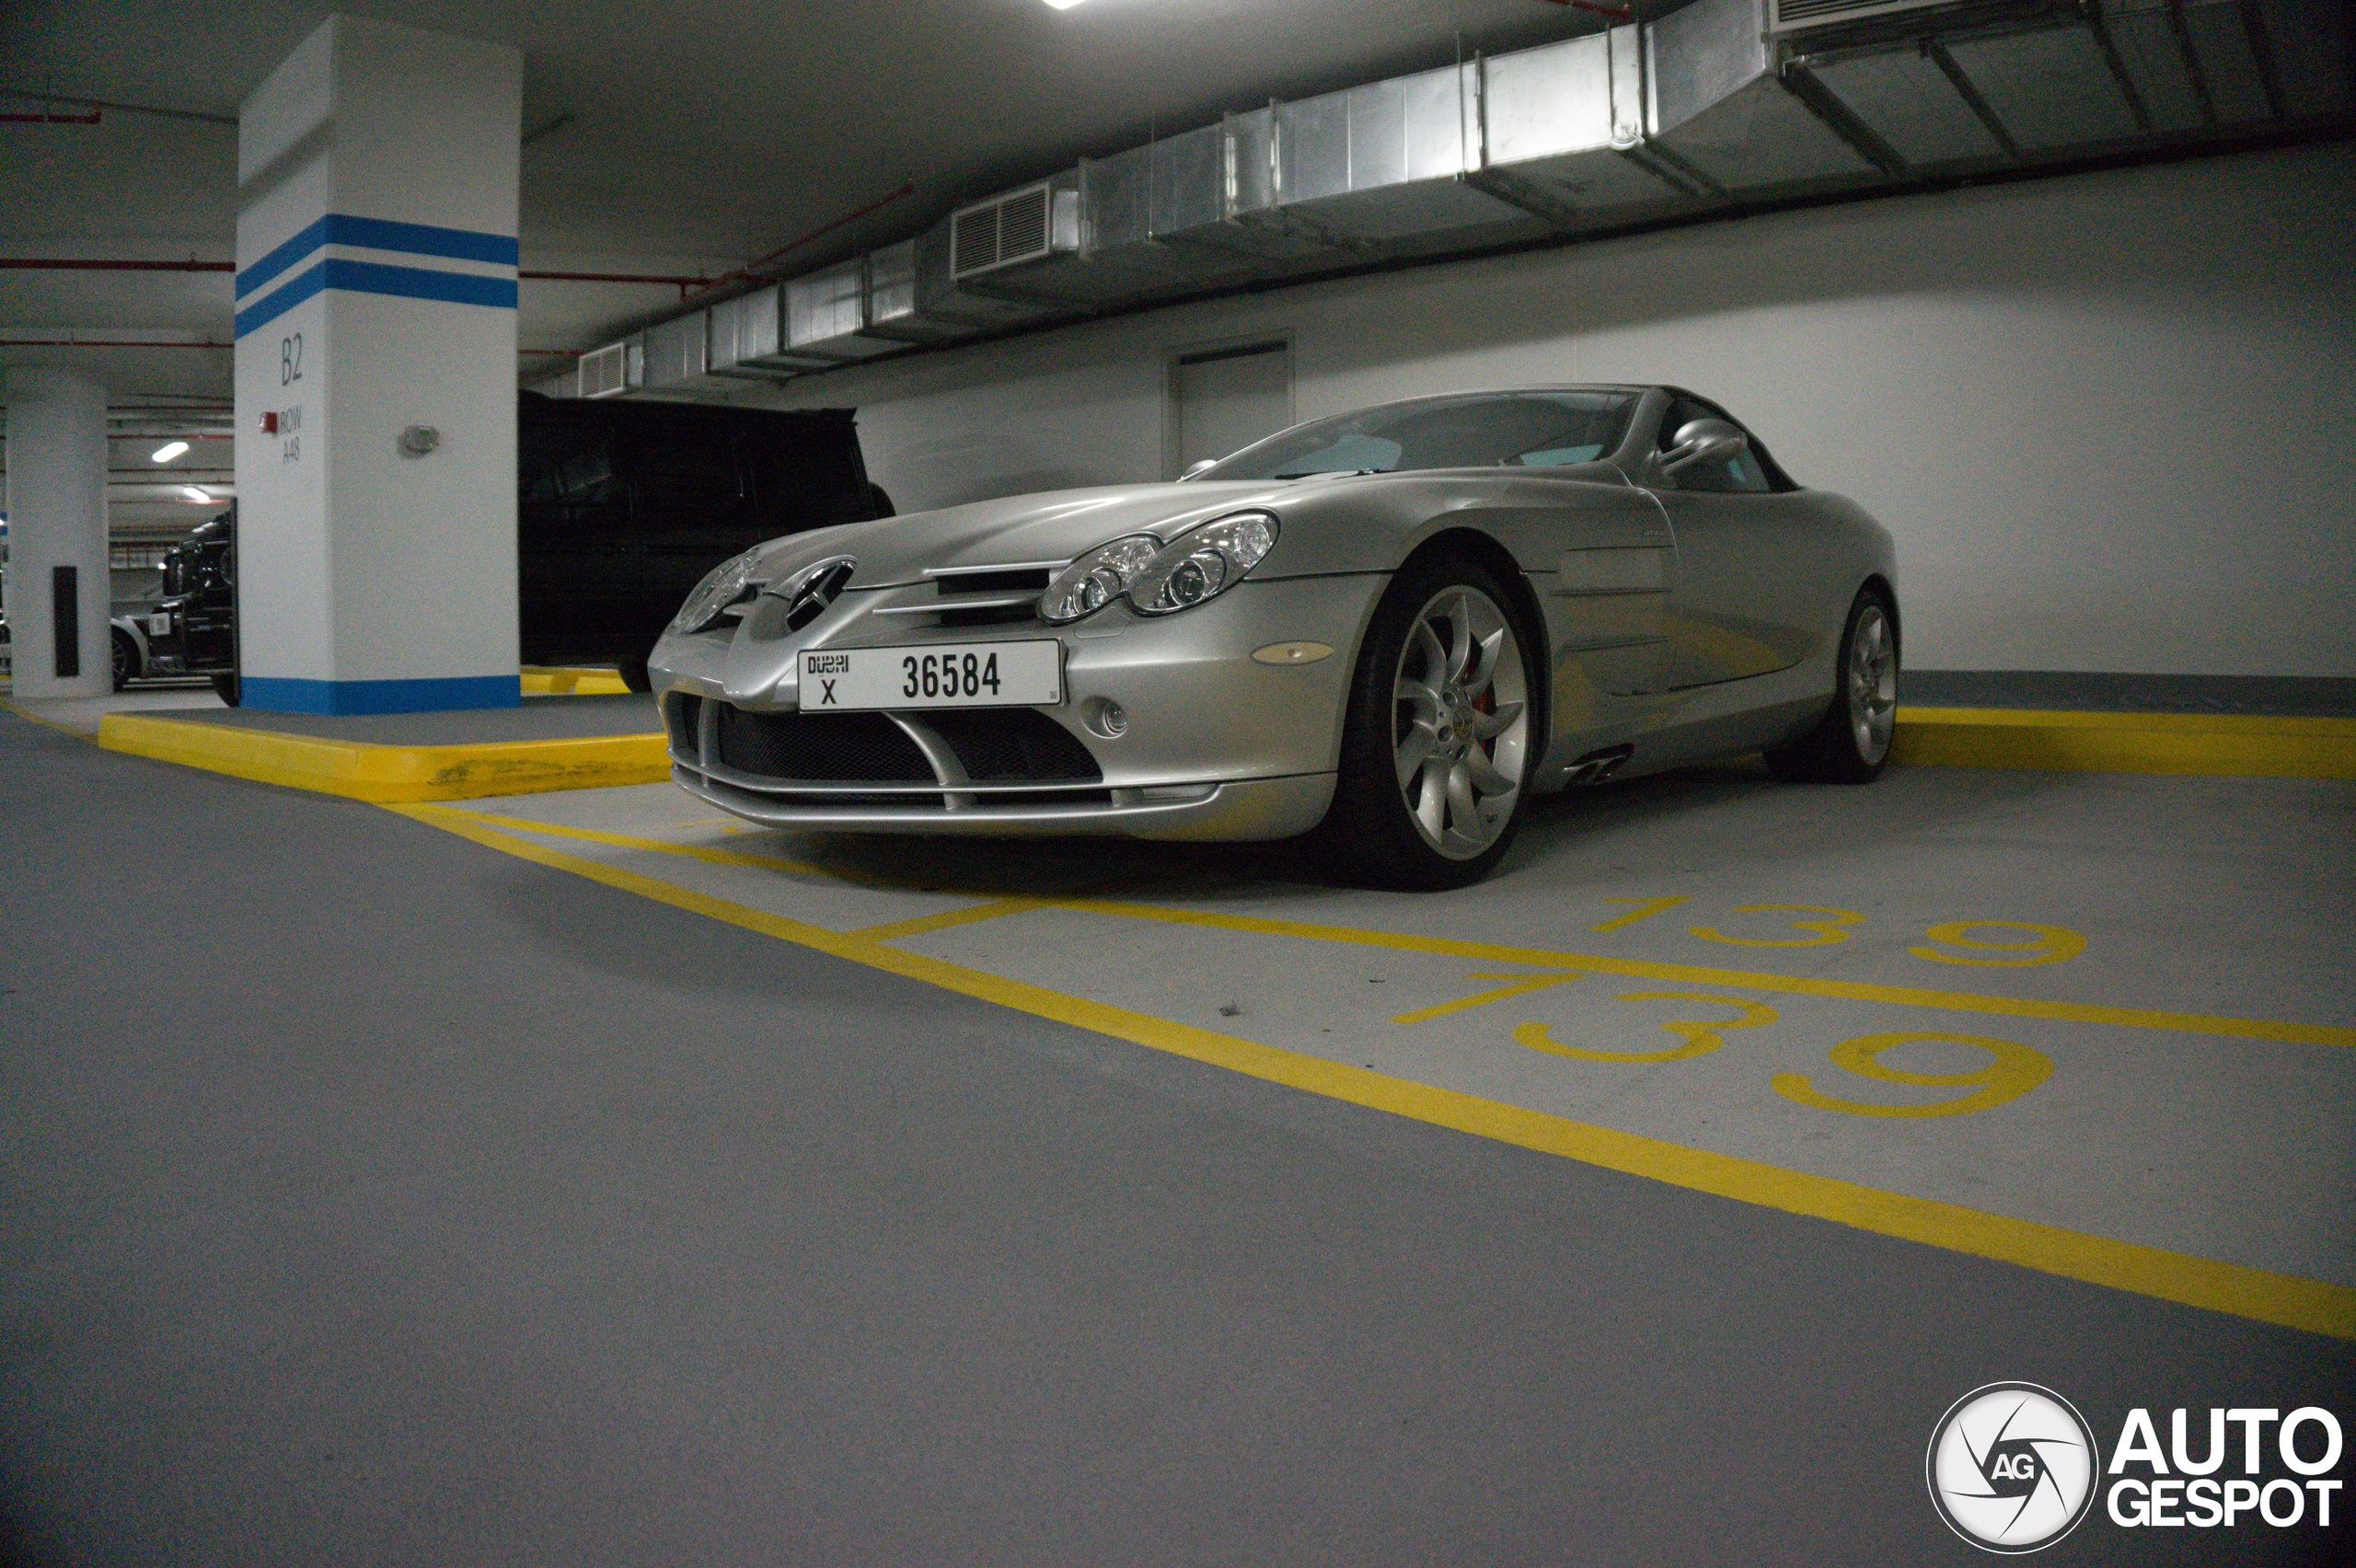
{"x":1388,"y":628}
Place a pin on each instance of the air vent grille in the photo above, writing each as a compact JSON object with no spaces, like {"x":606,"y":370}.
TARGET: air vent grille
{"x":1022,"y":226}
{"x":1803,"y":15}
{"x":974,"y":247}
{"x":605,"y":372}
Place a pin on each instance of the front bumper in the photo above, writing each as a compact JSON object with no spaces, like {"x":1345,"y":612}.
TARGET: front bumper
{"x":1217,"y":746}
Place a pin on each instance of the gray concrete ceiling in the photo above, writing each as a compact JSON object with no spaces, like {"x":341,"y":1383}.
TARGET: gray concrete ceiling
{"x":699,"y":136}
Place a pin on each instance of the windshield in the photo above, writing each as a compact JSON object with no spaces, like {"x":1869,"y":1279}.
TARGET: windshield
{"x":1528,"y":430}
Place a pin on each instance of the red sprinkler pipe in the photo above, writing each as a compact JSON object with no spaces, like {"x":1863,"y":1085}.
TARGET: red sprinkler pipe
{"x":64,"y":264}
{"x":79,"y":264}
{"x":102,"y":343}
{"x":751,"y":271}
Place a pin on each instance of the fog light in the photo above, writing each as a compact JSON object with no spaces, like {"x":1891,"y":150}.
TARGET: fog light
{"x":1106,"y":718}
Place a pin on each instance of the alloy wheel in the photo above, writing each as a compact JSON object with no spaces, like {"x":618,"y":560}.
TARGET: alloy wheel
{"x":1460,"y":725}
{"x":1872,"y":686}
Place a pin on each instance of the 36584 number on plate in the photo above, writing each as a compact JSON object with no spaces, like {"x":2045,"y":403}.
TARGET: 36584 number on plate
{"x":951,"y":675}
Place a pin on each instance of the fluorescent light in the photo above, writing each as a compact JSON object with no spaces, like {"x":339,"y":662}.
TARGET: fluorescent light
{"x":193,"y":493}
{"x":167,"y":451}
{"x":1063,"y":5}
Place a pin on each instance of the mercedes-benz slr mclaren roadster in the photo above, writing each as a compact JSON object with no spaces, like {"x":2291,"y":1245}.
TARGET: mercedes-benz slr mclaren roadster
{"x":1389,"y":628}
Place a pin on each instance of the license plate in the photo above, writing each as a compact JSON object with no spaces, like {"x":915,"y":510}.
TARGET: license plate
{"x":160,"y":626}
{"x":944,"y":674}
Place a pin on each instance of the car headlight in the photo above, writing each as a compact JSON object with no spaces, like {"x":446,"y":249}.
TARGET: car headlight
{"x":1160,"y":579}
{"x":1096,"y":579}
{"x":729,"y":582}
{"x":1203,"y":563}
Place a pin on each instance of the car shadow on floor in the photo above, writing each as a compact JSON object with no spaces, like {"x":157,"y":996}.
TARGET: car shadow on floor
{"x":1690,"y":819}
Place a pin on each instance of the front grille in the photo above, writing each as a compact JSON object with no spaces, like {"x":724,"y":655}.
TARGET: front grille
{"x":1006,"y":745}
{"x":987,"y":615}
{"x":1010,"y":580}
{"x":683,"y":714}
{"x":822,"y":747}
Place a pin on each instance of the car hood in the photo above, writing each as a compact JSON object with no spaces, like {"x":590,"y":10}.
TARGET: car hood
{"x":1024,"y":530}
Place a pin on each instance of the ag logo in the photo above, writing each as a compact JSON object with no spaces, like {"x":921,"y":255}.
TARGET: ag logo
{"x":2012,"y":1467}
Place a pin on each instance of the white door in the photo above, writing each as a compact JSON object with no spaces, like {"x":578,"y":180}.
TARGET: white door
{"x":1222,"y":400}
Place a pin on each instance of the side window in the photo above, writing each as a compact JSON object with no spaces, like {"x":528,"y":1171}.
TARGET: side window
{"x":1740,"y":475}
{"x":805,"y":484}
{"x":685,"y":478}
{"x":565,"y":464}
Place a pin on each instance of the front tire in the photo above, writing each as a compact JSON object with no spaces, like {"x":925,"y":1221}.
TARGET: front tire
{"x":634,"y":673}
{"x":1851,"y":744}
{"x":1437,"y":745}
{"x":126,"y":661}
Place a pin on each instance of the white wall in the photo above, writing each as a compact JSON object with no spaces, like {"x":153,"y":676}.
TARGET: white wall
{"x":2111,"y":418}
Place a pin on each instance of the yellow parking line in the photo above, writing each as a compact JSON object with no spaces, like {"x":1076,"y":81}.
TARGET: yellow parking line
{"x":2258,"y":1294}
{"x":703,"y":853}
{"x":1688,"y":973}
{"x":995,"y":909}
{"x":30,"y":716}
{"x":1522,"y":986}
{"x":2279,"y":1030}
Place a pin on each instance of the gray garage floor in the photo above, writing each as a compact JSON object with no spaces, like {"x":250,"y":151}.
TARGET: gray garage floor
{"x":376,"y":1196}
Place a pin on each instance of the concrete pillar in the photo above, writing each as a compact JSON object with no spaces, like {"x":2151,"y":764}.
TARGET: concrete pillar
{"x":57,"y":525}
{"x":375,"y":374}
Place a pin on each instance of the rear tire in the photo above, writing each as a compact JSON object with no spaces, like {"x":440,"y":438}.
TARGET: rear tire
{"x":126,"y":661}
{"x":634,"y":673}
{"x":1440,"y":735}
{"x":1851,"y":744}
{"x":227,"y":688}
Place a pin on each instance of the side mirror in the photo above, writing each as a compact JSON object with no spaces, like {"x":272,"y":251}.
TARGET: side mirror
{"x":1205,"y":467}
{"x":1703,"y":441}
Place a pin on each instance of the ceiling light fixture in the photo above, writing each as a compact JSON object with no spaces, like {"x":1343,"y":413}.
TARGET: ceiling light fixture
{"x":169,"y":451}
{"x":1063,"y":5}
{"x":193,"y":493}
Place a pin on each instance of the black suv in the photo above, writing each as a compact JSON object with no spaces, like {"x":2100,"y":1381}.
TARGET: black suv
{"x":621,"y":508}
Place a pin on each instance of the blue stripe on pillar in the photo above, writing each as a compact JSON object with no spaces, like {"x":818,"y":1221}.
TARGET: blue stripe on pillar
{"x":372,"y":277}
{"x":283,"y":694}
{"x":379,"y":234}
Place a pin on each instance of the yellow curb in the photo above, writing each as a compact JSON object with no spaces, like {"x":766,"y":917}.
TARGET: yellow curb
{"x":2234,"y":745}
{"x":362,"y":770}
{"x":553,"y":681}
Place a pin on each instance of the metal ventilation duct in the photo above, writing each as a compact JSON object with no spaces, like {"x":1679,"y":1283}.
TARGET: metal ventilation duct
{"x":1562,"y":133}
{"x":1387,"y":162}
{"x":1166,"y":210}
{"x":1719,"y":103}
{"x":828,"y":314}
{"x":896,"y":304}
